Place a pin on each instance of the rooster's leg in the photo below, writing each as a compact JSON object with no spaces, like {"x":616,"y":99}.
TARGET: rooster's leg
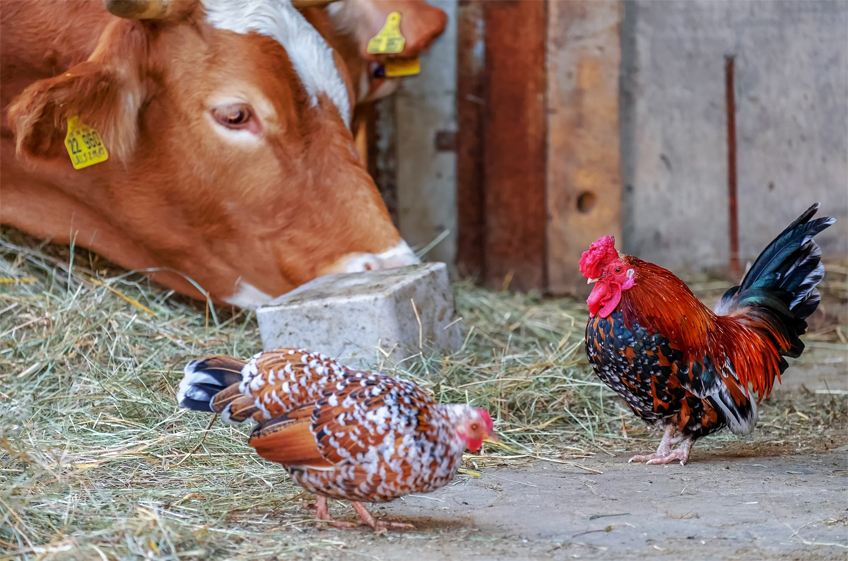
{"x":369,"y":519}
{"x":664,"y":448}
{"x":680,"y":453}
{"x":323,"y":513}
{"x":664,"y":454}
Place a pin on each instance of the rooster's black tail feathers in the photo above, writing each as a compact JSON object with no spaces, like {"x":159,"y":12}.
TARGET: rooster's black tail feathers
{"x":782,"y":281}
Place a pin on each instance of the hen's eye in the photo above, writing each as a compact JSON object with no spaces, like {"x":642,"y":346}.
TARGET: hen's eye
{"x":235,"y":116}
{"x":618,"y":269}
{"x":475,"y":426}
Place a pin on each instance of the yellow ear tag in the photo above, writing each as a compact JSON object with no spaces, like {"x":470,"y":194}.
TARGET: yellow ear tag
{"x":388,"y":40}
{"x":84,"y":145}
{"x":396,"y":67}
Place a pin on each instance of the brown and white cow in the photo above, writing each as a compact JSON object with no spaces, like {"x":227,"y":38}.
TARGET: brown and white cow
{"x":231,"y":165}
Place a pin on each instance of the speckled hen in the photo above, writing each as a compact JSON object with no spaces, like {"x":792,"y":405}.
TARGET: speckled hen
{"x":340,"y":433}
{"x":676,"y":362}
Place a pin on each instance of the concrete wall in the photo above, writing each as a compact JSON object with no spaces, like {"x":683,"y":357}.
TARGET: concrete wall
{"x":791,"y":114}
{"x":426,"y":178}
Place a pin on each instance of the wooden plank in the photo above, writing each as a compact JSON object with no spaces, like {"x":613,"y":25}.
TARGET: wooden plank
{"x":514,"y":133}
{"x":584,"y":175}
{"x":470,"y":92}
{"x":382,"y":152}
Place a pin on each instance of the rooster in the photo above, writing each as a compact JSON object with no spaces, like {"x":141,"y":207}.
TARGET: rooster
{"x":675,"y":361}
{"x":340,"y":433}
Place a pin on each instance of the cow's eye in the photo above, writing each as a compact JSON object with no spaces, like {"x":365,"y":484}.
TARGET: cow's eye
{"x":234,"y":116}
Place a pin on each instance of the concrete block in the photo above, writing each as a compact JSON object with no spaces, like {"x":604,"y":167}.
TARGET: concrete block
{"x":348,"y":317}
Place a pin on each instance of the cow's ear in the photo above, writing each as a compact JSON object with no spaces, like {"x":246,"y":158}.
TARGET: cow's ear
{"x":105,"y":92}
{"x":420,"y":23}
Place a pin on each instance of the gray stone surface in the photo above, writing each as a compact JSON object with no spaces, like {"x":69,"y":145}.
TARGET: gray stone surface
{"x":426,"y":178}
{"x":791,"y":117}
{"x":351,"y":317}
{"x":791,"y":114}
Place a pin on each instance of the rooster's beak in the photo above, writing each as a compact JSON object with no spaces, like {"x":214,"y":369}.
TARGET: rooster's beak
{"x":590,"y":281}
{"x":492,"y":437}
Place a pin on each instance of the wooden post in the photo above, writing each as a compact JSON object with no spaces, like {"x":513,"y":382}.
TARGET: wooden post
{"x":514,"y":136}
{"x":583,"y":173}
{"x":382,"y":152}
{"x":470,"y":110}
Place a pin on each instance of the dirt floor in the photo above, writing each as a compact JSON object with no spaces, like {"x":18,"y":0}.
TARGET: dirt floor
{"x":781,"y":493}
{"x":97,"y":462}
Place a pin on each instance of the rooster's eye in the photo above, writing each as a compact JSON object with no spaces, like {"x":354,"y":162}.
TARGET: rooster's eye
{"x":475,"y":426}
{"x":618,"y":269}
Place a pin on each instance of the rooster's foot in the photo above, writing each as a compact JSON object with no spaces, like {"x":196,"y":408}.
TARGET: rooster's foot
{"x":664,"y":455}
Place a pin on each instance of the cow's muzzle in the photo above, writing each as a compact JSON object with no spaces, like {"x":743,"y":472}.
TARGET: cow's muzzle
{"x":398,"y":256}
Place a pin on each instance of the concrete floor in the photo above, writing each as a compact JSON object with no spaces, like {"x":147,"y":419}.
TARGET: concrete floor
{"x":780,"y":493}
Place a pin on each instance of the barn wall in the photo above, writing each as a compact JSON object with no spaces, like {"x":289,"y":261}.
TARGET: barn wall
{"x":792,"y":124}
{"x":424,"y":105}
{"x":791,"y":86}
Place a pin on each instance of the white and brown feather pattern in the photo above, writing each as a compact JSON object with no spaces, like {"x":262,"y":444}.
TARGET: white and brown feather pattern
{"x":384,"y":438}
{"x":282,"y":380}
{"x":343,"y":433}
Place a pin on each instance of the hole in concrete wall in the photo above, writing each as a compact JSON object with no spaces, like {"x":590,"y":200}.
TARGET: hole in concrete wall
{"x":586,"y":202}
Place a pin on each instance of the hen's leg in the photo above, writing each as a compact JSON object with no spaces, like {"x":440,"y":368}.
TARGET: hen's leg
{"x":323,"y":513}
{"x":369,"y":519}
{"x":664,"y":448}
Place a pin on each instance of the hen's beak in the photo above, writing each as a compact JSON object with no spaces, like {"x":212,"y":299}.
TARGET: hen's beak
{"x":492,"y":437}
{"x":590,"y":281}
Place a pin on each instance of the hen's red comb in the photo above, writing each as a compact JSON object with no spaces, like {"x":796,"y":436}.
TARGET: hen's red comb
{"x":601,"y":252}
{"x":487,"y":420}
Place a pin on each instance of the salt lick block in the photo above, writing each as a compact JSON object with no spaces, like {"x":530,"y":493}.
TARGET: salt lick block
{"x":348,"y":317}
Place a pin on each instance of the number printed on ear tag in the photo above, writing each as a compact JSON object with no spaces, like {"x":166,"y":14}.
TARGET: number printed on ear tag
{"x":85,"y":147}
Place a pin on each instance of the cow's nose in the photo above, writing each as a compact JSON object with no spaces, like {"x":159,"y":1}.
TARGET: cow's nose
{"x":400,"y":255}
{"x":397,"y":256}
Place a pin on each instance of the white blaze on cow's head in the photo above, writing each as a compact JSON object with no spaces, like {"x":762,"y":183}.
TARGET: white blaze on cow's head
{"x":232,"y":162}
{"x":311,"y":56}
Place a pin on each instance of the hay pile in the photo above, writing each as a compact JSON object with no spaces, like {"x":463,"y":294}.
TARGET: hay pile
{"x":98,"y":462}
{"x":95,"y":455}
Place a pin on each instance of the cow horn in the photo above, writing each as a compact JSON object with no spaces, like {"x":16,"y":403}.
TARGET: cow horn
{"x":300,"y":4}
{"x":137,"y":9}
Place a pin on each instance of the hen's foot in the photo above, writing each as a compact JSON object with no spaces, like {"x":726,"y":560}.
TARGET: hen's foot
{"x":323,"y":513}
{"x":369,"y":519}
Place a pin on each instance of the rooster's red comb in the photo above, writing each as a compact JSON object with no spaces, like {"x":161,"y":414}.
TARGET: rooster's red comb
{"x":596,"y":258}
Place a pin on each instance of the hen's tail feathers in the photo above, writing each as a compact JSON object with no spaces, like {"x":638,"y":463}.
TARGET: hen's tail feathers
{"x":205,"y":378}
{"x":780,"y":288}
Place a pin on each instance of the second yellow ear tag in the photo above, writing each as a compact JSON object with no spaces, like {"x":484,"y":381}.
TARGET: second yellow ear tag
{"x":84,"y":144}
{"x":388,"y":40}
{"x":397,"y":67}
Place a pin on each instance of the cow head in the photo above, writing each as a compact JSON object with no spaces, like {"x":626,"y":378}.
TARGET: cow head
{"x":230,"y":155}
